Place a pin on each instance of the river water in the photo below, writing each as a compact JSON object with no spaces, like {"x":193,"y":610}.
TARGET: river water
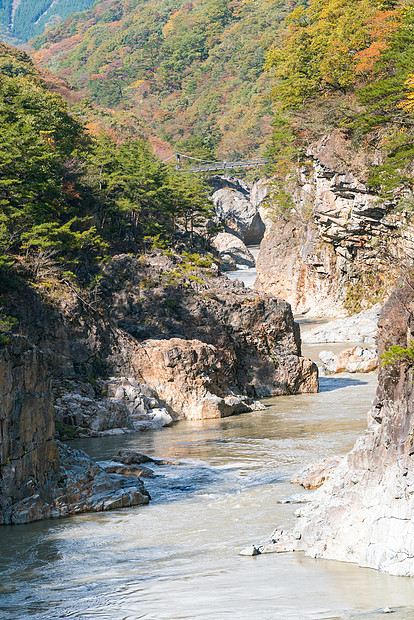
{"x":178,"y":557}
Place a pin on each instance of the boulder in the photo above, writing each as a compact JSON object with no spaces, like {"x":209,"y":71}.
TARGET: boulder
{"x":356,"y":359}
{"x":315,"y":474}
{"x":239,"y":215}
{"x":128,"y":406}
{"x":130,"y":457}
{"x":233,"y":252}
{"x":190,"y":378}
{"x":140,"y":471}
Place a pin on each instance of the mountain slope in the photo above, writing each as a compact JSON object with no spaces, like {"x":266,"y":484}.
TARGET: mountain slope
{"x":192,"y":70}
{"x":23,"y":19}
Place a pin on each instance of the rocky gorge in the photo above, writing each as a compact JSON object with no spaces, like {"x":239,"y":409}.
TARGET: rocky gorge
{"x":363,"y":511}
{"x":161,"y":339}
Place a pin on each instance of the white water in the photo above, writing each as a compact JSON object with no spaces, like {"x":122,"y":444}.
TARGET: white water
{"x":248,"y":276}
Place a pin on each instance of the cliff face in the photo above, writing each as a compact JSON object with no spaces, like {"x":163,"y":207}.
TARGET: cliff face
{"x":39,"y":477}
{"x":28,"y":454}
{"x":364,"y":513}
{"x":256,"y":344}
{"x":338,"y":249}
{"x":181,"y":338}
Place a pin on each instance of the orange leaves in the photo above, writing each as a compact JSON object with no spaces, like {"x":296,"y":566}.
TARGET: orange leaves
{"x":380,"y":27}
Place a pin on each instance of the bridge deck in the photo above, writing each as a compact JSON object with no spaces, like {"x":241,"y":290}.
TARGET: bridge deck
{"x":224,"y":165}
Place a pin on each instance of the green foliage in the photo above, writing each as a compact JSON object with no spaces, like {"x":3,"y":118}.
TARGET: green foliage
{"x":192,"y":70}
{"x":370,"y":285}
{"x":7,"y":323}
{"x":144,"y":199}
{"x":31,"y":17}
{"x":382,"y":99}
{"x":397,"y":355}
{"x":67,"y":201}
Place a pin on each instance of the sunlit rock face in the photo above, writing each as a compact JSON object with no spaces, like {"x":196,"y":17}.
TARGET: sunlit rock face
{"x":237,"y":206}
{"x":335,"y":249}
{"x":364,"y":512}
{"x":212,"y":336}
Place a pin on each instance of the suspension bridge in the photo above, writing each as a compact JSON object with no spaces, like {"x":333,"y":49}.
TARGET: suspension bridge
{"x":202,"y":165}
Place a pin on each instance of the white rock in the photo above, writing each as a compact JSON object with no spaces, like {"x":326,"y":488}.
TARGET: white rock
{"x":233,"y":252}
{"x":360,"y":327}
{"x":160,"y":417}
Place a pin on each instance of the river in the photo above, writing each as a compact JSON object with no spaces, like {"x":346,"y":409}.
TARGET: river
{"x":177,"y":558}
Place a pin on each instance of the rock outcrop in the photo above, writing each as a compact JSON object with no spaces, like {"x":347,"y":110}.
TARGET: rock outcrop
{"x":364,"y":512}
{"x":178,"y":340}
{"x":361,"y":327}
{"x":314,"y":475}
{"x":237,"y":205}
{"x":119,"y":405}
{"x":355,"y":359}
{"x":40,"y":477}
{"x":233,"y":252}
{"x":243,"y":342}
{"x":189,"y":377}
{"x":337,"y":247}
{"x":29,"y":456}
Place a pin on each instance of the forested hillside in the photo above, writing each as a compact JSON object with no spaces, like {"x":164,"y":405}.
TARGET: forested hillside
{"x":70,"y":199}
{"x":348,"y":66}
{"x":22,"y":19}
{"x":192,"y":70}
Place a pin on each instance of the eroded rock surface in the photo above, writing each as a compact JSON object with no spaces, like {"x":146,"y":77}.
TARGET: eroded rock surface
{"x":338,"y":247}
{"x":314,"y":475}
{"x":237,"y":205}
{"x":119,"y":405}
{"x":40,"y":477}
{"x":233,"y":252}
{"x":364,"y":512}
{"x":361,"y":327}
{"x":355,"y":359}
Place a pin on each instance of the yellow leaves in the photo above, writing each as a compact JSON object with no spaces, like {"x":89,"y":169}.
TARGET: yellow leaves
{"x":137,"y":84}
{"x":171,"y":24}
{"x":408,"y":103}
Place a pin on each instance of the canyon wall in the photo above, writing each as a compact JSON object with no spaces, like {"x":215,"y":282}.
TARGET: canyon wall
{"x":364,"y":512}
{"x":39,"y":477}
{"x":333,"y":247}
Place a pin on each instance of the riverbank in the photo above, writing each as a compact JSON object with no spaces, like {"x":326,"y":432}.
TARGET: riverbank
{"x":177,"y":557}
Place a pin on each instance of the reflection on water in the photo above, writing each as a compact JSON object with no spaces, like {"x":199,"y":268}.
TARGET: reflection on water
{"x":177,"y":557}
